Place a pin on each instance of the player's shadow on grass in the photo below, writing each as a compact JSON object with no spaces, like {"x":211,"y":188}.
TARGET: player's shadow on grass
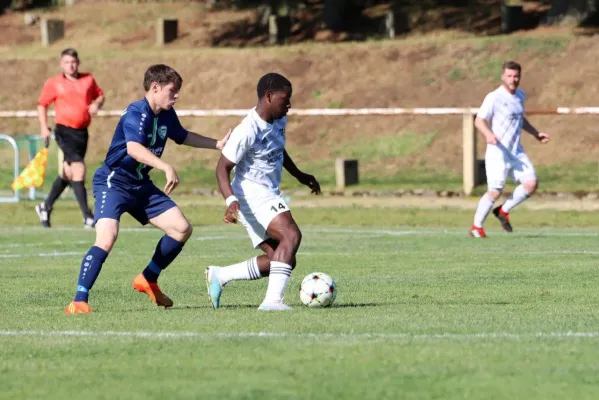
{"x":355,"y":305}
{"x":255,"y":306}
{"x":209,"y":307}
{"x":535,"y":236}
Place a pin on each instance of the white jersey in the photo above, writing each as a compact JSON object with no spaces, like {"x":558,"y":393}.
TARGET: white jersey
{"x":506,"y":113}
{"x":257,"y":148}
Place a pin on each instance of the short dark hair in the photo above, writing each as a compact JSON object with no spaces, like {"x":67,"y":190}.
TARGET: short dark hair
{"x":163,"y":75}
{"x":513,"y":65}
{"x":69,"y":52}
{"x":272,"y":82}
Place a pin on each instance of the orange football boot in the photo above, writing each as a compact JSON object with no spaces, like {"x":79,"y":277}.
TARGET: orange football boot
{"x":77,"y":307}
{"x":152,"y":290}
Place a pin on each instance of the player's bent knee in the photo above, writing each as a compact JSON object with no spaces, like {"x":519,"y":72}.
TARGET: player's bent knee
{"x":181,"y":231}
{"x":531,"y":186}
{"x":494,"y":193}
{"x":67,"y":174}
{"x":105,"y":245}
{"x":188,"y":231}
{"x":294,"y":237}
{"x":106,"y":240}
{"x":77,"y":171}
{"x":78,"y":176}
{"x":107,"y":231}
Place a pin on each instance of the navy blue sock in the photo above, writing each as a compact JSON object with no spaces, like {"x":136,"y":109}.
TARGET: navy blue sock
{"x":167,"y":250}
{"x":90,"y":269}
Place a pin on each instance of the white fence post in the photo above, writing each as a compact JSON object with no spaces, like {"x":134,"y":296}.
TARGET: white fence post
{"x":469,"y":167}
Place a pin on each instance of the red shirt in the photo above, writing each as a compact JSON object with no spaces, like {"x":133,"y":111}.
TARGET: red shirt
{"x":71,"y":99}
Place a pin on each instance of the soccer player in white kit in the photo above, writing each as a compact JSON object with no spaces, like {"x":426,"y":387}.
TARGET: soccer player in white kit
{"x":501,"y":120}
{"x":256,"y":149}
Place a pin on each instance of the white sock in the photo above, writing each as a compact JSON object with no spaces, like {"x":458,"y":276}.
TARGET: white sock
{"x":244,"y":271}
{"x":484,"y":207}
{"x":277,"y":281}
{"x":520,"y":194}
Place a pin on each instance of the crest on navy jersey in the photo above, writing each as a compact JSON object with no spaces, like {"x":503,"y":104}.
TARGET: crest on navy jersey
{"x":162,"y":132}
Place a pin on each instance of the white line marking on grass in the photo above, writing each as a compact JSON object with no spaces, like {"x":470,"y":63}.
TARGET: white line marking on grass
{"x":445,"y":231}
{"x":439,"y":231}
{"x":73,"y":229}
{"x":286,"y":335}
{"x":371,"y":231}
{"x":41,"y":244}
{"x":343,"y":252}
{"x":574,"y":234}
{"x":230,"y":237}
{"x":53,"y":254}
{"x":525,"y":252}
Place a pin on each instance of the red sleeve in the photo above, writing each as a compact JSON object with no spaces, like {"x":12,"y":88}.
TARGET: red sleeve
{"x":95,"y":90}
{"x":48,"y":94}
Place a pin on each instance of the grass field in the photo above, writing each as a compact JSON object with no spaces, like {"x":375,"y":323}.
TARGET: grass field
{"x":422,"y":312}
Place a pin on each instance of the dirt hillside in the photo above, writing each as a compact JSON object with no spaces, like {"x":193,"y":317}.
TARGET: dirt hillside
{"x":448,"y":69}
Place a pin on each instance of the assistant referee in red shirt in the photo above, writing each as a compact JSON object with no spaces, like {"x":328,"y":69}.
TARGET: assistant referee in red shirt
{"x":76,"y":97}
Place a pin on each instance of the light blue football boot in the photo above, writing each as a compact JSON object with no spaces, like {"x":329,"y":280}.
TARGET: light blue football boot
{"x":215,"y":289}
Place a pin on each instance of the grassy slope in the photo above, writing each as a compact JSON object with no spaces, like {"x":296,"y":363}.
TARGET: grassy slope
{"x":452,"y":69}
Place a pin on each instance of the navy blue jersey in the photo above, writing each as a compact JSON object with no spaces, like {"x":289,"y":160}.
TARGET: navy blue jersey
{"x":139,"y":124}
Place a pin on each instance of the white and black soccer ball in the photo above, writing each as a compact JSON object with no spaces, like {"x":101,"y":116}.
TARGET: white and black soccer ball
{"x":318,"y":290}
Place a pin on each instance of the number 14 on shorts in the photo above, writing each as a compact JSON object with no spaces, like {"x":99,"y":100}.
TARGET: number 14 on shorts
{"x":278,"y":208}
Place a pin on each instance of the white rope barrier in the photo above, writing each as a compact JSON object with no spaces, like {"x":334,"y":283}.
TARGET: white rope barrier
{"x":330,"y":112}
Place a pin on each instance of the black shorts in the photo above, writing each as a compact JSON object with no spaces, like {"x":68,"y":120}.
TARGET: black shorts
{"x":72,"y":142}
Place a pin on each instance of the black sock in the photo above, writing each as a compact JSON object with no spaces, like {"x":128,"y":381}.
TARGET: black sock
{"x":81,"y":196}
{"x":58,"y":187}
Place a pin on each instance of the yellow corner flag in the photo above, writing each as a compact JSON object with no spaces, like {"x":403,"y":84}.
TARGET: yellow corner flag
{"x":33,"y":174}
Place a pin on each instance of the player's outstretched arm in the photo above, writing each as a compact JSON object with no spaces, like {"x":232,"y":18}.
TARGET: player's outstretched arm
{"x":540,"y":136}
{"x":223,"y":178}
{"x":202,"y":142}
{"x":143,"y":155}
{"x":303,"y":178}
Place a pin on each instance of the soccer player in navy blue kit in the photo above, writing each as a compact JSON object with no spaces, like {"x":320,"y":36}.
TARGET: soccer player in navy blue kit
{"x":122,"y":185}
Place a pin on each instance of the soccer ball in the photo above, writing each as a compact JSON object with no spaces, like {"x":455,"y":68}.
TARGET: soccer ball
{"x":318,"y":290}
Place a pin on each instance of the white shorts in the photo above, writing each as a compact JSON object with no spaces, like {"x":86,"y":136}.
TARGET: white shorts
{"x":518,"y":167}
{"x":258,"y":206}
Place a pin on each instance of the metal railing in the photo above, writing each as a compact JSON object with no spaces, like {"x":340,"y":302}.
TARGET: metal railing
{"x":15,"y":147}
{"x":30,"y":142}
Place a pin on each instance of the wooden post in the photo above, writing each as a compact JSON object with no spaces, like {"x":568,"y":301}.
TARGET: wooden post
{"x":511,"y":17}
{"x":52,"y":31}
{"x":273,"y":30}
{"x":279,"y":29}
{"x":390,"y":25}
{"x":346,"y":172}
{"x":166,"y":31}
{"x":470,"y":164}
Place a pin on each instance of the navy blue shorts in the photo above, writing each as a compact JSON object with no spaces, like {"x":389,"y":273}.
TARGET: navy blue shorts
{"x":143,"y":201}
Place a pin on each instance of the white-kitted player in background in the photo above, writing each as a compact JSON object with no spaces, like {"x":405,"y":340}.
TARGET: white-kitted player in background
{"x":256,"y":149}
{"x":501,"y":120}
